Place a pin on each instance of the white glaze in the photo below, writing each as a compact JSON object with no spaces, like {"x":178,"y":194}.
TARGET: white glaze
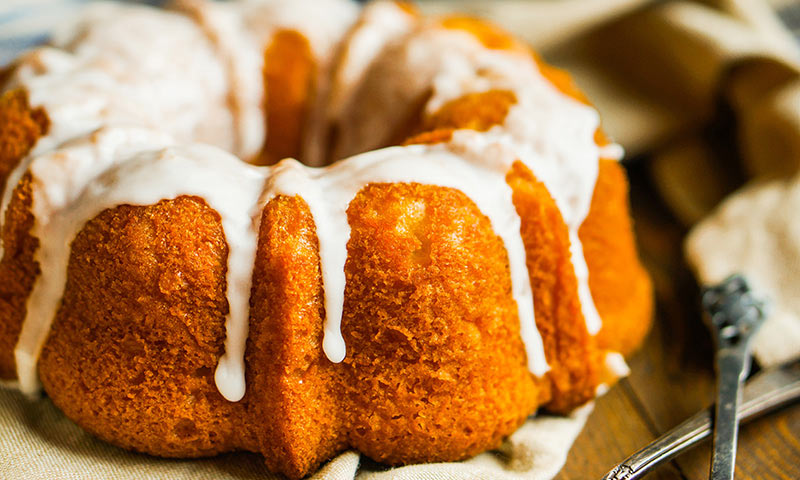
{"x":143,"y":177}
{"x":555,"y":134}
{"x":329,"y":191}
{"x":242,"y":54}
{"x":616,"y":365}
{"x":612,"y":151}
{"x":385,"y":96}
{"x":323,"y":23}
{"x":57,"y":180}
{"x":96,"y":76}
{"x":381,"y":23}
{"x":549,"y":132}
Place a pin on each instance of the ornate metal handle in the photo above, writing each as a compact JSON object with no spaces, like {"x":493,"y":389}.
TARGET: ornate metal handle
{"x":763,"y":393}
{"x":734,"y":316}
{"x":766,"y":391}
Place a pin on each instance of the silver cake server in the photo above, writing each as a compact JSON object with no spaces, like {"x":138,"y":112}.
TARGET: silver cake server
{"x":734,"y":315}
{"x":766,"y":391}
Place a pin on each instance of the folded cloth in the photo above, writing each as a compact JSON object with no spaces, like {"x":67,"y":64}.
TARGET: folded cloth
{"x":756,"y":232}
{"x":38,"y":442}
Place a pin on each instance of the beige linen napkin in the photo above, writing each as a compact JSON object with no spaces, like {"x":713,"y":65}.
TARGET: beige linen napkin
{"x":37,"y":442}
{"x":663,"y":75}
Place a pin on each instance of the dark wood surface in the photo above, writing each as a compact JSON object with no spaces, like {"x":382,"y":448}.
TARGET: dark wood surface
{"x":672,"y":376}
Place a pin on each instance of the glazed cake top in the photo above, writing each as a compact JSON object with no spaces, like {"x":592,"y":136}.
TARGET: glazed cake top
{"x":118,"y":136}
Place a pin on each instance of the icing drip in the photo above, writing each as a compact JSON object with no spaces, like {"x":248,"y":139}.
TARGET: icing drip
{"x":323,"y":23}
{"x":328,"y":193}
{"x":239,"y":51}
{"x":590,"y":314}
{"x":614,"y":367}
{"x":615,"y":364}
{"x":561,"y":152}
{"x":612,"y":151}
{"x":330,"y":219}
{"x":57,"y":180}
{"x":96,"y":76}
{"x":211,"y":92}
{"x":121,"y":166}
{"x":551,"y":133}
{"x":381,"y":22}
{"x":62,"y":207}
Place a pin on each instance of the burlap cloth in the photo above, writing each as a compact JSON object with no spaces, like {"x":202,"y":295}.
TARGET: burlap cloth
{"x":708,"y":93}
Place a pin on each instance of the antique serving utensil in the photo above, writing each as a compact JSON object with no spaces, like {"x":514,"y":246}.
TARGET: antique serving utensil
{"x":766,"y":391}
{"x":734,"y":315}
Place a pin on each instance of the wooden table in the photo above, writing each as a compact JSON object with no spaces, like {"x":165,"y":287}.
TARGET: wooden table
{"x":672,"y":376}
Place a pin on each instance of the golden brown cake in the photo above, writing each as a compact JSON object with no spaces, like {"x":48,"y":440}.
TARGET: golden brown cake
{"x":453,"y":253}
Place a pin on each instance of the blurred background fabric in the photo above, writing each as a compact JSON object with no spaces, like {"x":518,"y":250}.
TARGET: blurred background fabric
{"x":664,"y":74}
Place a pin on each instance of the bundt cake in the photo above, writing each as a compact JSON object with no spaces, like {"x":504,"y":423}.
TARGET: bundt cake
{"x":453,"y":253}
